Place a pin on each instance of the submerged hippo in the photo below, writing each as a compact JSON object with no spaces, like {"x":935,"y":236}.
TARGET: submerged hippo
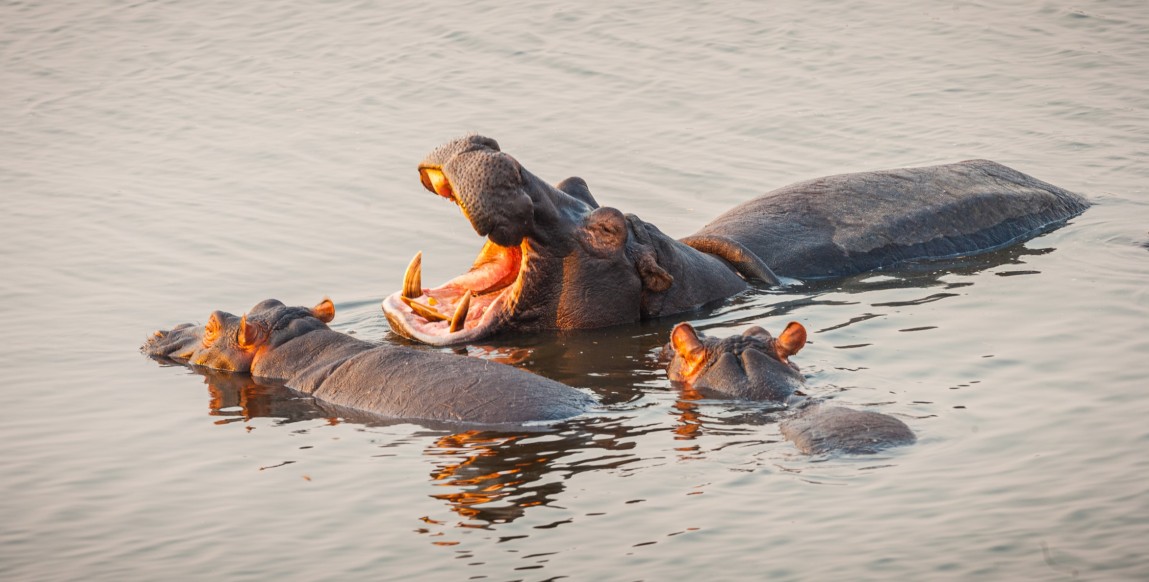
{"x":757,"y":366}
{"x":555,"y":259}
{"x":294,"y":346}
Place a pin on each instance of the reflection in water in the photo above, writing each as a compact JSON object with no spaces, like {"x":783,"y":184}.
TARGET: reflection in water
{"x":689,"y":421}
{"x":849,"y":322}
{"x":494,"y":476}
{"x":486,"y":476}
{"x":926,"y":274}
{"x":613,"y":362}
{"x":237,"y":397}
{"x":697,"y":414}
{"x":920,"y":301}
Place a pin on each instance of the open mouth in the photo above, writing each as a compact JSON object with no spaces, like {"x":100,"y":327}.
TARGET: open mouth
{"x":467,"y":307}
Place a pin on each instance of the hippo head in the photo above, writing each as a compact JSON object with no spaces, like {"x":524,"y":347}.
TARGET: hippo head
{"x":229,"y":342}
{"x":552,"y":260}
{"x":752,"y":366}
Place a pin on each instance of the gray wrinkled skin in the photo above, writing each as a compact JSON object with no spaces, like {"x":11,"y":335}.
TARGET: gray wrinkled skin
{"x":589,"y":267}
{"x":391,"y":381}
{"x":594,"y":266}
{"x":495,"y":193}
{"x":746,"y":367}
{"x":821,"y":429}
{"x":851,"y":223}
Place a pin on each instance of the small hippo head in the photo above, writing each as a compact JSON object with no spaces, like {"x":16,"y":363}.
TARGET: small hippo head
{"x":553,"y":259}
{"x":232,"y":343}
{"x":752,"y":366}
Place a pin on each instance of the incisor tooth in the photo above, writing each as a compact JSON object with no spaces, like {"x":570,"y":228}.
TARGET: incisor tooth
{"x":424,"y":311}
{"x":413,"y":278}
{"x":460,"y":317}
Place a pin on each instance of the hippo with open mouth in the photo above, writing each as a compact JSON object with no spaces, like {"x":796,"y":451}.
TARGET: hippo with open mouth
{"x":295,"y":347}
{"x":756,"y":366}
{"x":555,"y":259}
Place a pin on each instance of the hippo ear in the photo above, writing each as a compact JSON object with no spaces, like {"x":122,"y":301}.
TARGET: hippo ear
{"x":251,"y":334}
{"x":792,"y":340}
{"x":641,"y":250}
{"x":654,"y":277}
{"x":212,"y":329}
{"x":686,"y":343}
{"x":324,"y":311}
{"x":758,"y":332}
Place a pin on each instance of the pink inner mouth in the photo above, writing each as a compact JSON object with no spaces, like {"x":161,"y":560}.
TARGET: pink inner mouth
{"x":491,"y":281}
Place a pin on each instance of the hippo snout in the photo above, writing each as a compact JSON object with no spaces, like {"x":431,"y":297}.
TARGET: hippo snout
{"x":178,"y":343}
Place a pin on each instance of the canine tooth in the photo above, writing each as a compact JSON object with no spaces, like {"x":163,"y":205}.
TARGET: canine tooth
{"x":423,"y":311}
{"x":413,"y":278}
{"x":460,"y":318}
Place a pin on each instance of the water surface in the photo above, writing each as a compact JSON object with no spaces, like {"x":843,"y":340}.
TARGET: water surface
{"x":159,"y":160}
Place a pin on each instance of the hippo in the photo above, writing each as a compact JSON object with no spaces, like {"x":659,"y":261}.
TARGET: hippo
{"x":555,"y":259}
{"x":756,"y":366}
{"x":295,"y":347}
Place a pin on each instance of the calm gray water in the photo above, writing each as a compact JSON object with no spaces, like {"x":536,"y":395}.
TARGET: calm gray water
{"x":162,"y":159}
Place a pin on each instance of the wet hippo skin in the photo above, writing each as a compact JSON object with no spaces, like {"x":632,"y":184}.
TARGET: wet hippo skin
{"x":295,"y":347}
{"x":555,"y":259}
{"x":756,"y":366}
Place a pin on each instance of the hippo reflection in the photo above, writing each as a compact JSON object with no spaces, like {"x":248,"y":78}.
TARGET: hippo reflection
{"x":555,"y":259}
{"x":756,"y":366}
{"x":237,"y":397}
{"x":294,"y":346}
{"x":484,"y":476}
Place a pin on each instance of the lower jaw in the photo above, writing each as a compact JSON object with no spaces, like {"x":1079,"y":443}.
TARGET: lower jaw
{"x":496,"y":273}
{"x":405,"y":323}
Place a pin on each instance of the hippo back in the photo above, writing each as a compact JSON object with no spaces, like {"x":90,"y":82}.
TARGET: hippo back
{"x":852,"y":223}
{"x":821,"y":428}
{"x":407,"y":383}
{"x":401,"y":382}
